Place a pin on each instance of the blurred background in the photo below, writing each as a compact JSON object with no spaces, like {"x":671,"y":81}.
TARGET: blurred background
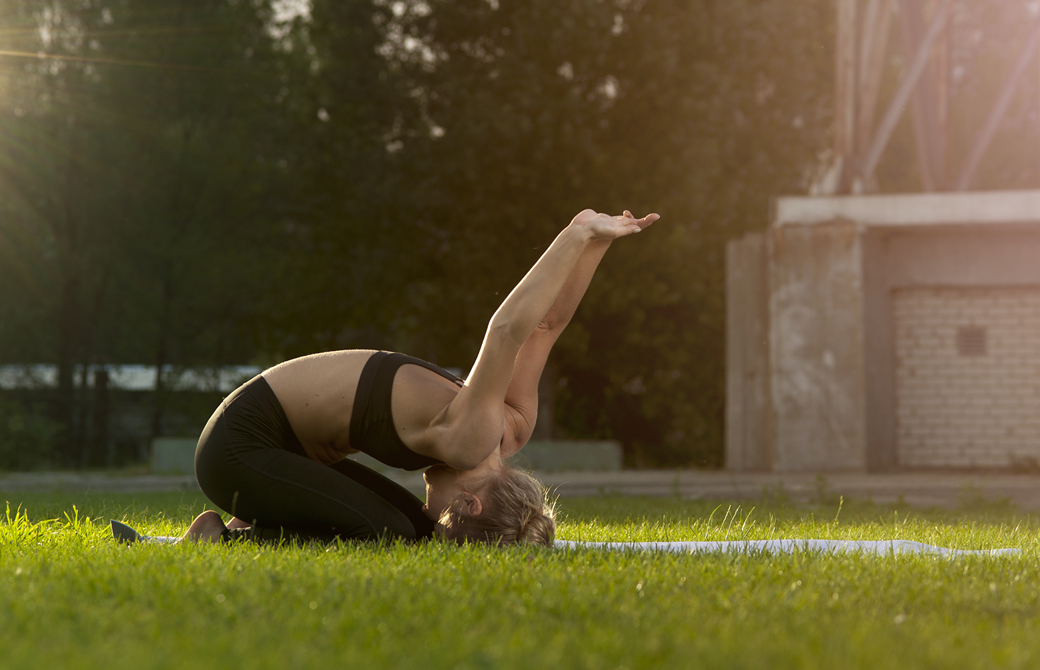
{"x":192,"y":190}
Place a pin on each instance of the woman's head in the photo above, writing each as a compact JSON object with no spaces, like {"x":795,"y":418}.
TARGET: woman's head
{"x":494,"y":504}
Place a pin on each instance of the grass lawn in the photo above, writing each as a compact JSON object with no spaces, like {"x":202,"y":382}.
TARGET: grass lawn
{"x":72,"y":598}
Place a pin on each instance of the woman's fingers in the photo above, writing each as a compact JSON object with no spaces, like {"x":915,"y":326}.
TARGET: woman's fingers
{"x":643,"y":222}
{"x":607,"y":226}
{"x":634,"y":225}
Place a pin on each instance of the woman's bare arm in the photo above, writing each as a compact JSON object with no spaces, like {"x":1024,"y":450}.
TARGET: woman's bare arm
{"x":521,"y":398}
{"x":472,"y":426}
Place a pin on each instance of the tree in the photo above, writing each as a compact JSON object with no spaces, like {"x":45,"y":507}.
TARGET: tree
{"x":700,"y":110}
{"x":138,"y":164}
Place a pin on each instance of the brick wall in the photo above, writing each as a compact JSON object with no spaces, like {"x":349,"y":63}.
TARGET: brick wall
{"x":967,"y":377}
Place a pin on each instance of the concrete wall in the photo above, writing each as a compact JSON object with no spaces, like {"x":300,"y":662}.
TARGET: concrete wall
{"x":935,"y":256}
{"x":879,"y":353}
{"x":749,"y":430}
{"x":817,"y":347}
{"x":822,"y":396}
{"x":967,"y":371}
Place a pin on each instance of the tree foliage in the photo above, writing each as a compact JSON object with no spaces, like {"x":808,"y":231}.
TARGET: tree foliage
{"x":204,"y":182}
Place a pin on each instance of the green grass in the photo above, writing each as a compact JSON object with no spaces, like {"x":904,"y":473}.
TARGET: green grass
{"x":72,"y":598}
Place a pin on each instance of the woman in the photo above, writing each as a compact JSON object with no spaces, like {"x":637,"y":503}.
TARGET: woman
{"x":274,"y":454}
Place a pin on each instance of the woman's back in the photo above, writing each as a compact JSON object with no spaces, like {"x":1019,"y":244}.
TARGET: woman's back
{"x":318,"y":394}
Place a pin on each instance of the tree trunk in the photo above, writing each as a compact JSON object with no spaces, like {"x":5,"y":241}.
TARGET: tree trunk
{"x":99,"y":456}
{"x":68,"y":328}
{"x":69,"y":318}
{"x":162,"y":356}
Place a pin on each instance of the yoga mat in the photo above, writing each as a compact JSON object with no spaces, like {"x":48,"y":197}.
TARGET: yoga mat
{"x":124,"y":533}
{"x":788,"y":546}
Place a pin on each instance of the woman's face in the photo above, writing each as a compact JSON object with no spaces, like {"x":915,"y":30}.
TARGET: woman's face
{"x":447,"y":486}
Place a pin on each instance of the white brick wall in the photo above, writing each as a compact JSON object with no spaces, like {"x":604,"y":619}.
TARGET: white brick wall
{"x":955,"y":410}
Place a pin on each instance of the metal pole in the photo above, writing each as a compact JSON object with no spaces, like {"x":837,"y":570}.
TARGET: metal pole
{"x":989,"y":128}
{"x":905,"y":90}
{"x":872,"y":64}
{"x":921,"y":107}
{"x":845,"y":80}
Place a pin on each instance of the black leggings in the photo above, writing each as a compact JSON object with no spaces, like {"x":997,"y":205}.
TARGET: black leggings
{"x":250,"y":463}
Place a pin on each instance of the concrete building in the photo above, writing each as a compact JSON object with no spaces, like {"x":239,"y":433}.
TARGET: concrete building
{"x":881,"y":332}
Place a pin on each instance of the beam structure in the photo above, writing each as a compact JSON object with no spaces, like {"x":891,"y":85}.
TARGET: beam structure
{"x":925,"y":104}
{"x":906,"y":88}
{"x":874,"y":45}
{"x":863,"y":31}
{"x":996,"y":115}
{"x":845,"y":79}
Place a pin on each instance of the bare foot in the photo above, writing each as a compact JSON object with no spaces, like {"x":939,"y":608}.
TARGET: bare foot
{"x":207,"y":527}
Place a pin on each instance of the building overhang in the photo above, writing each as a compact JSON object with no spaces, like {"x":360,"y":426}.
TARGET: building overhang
{"x":911,"y":209}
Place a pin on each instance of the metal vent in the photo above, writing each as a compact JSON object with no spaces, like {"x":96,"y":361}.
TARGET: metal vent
{"x":971,"y":341}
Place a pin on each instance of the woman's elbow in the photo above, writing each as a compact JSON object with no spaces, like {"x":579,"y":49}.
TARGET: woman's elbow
{"x":507,"y":331}
{"x":551,"y":325}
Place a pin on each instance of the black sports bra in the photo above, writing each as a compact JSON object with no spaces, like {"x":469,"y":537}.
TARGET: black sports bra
{"x":372,"y":428}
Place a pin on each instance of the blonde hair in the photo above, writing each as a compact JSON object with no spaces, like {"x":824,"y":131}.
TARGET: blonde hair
{"x":516,"y":509}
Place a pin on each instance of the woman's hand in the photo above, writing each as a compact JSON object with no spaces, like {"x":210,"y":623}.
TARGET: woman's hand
{"x":605,"y":227}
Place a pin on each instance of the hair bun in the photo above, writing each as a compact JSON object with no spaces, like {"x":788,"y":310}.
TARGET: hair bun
{"x":539,"y":529}
{"x":516,"y":509}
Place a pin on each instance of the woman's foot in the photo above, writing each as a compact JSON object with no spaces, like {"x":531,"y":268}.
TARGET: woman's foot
{"x":207,"y":527}
{"x":237,"y":523}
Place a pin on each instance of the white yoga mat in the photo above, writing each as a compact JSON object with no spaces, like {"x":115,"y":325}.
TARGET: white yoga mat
{"x":879,"y":547}
{"x":124,"y":533}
